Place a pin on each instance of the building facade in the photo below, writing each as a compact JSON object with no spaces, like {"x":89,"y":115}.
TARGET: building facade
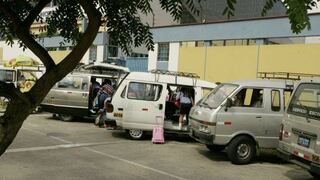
{"x":237,"y":50}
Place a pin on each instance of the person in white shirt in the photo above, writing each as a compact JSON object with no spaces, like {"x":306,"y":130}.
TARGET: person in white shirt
{"x":186,"y":102}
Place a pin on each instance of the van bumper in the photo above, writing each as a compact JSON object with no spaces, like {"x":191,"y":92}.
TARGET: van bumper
{"x":201,"y":137}
{"x":310,"y":166}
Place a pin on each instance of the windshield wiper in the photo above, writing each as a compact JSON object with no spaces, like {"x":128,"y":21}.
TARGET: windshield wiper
{"x":204,"y":104}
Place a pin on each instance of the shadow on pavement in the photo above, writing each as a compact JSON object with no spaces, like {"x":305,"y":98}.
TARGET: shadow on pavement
{"x":148,"y":137}
{"x":269,"y":156}
{"x":76,"y":119}
{"x":298,"y":174}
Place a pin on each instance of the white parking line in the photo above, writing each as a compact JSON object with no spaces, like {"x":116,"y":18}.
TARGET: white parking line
{"x":85,"y":146}
{"x":42,"y":115}
{"x":61,"y":146}
{"x":135,"y":164}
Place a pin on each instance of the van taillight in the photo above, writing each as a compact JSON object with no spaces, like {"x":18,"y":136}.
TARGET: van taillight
{"x":281,"y":131}
{"x":109,"y":108}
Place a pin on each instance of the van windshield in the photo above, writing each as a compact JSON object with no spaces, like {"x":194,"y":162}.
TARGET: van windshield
{"x":306,"y":101}
{"x":218,"y":95}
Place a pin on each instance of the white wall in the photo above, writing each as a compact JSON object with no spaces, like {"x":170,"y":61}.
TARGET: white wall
{"x":152,"y":58}
{"x":173,"y":56}
{"x":99,"y":53}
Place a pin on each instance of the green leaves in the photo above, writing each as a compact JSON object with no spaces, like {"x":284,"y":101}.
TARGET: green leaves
{"x":229,"y":10}
{"x":268,"y":6}
{"x":64,"y":20}
{"x":297,"y":10}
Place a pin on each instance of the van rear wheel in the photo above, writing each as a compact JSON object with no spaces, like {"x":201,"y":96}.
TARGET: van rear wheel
{"x":65,"y":117}
{"x":135,"y":134}
{"x":215,"y":148}
{"x":241,"y":150}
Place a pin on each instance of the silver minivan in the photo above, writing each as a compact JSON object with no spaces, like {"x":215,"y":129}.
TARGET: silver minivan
{"x":241,"y":116}
{"x":71,"y":97}
{"x":300,"y":130}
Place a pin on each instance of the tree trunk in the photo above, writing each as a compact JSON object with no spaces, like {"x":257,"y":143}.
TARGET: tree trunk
{"x":11,"y":122}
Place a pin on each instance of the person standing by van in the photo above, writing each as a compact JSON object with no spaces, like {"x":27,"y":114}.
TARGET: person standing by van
{"x":103,"y":97}
{"x":93,"y":92}
{"x":186,"y":102}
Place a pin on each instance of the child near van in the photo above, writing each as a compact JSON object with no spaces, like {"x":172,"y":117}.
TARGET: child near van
{"x":186,"y":102}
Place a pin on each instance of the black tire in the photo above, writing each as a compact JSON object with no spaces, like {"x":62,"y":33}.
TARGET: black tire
{"x":135,"y":134}
{"x":241,"y":150}
{"x":66,"y":118}
{"x":315,"y":175}
{"x":215,"y":148}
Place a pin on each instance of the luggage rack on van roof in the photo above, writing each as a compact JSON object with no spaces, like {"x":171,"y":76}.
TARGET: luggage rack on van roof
{"x":286,"y":75}
{"x":175,"y":73}
{"x":194,"y":76}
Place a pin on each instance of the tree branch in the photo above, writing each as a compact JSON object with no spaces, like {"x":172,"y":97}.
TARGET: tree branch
{"x":22,"y":31}
{"x":51,"y":76}
{"x":94,"y":16}
{"x":24,"y":35}
{"x":35,"y":12}
{"x":8,"y":90}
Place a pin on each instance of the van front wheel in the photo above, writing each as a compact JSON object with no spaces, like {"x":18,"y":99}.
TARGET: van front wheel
{"x":135,"y":134}
{"x":241,"y":150}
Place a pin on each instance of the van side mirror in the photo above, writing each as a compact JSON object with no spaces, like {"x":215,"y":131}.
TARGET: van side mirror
{"x":228,"y":104}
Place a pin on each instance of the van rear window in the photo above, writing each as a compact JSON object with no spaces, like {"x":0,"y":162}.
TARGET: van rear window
{"x":306,"y":101}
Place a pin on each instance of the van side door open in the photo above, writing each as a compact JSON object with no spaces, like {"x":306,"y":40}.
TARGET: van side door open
{"x":144,"y":102}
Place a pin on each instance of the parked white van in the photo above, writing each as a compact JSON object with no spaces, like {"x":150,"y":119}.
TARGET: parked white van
{"x":300,"y":130}
{"x":242,"y":116}
{"x":143,"y":98}
{"x":71,"y":97}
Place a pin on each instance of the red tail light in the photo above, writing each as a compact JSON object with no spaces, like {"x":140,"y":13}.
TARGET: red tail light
{"x":281,"y":131}
{"x":109,"y":108}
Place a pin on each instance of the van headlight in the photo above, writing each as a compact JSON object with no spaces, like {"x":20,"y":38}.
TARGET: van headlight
{"x":204,"y":129}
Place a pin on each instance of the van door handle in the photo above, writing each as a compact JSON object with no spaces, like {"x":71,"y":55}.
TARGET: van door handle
{"x":258,"y":117}
{"x":160,"y":106}
{"x":120,"y":109}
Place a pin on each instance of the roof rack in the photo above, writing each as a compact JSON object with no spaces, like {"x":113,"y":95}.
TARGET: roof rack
{"x":285,"y":75}
{"x":175,"y":73}
{"x":157,"y":74}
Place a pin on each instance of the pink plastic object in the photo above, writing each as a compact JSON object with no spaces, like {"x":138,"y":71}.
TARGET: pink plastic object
{"x":158,"y":132}
{"x":157,"y":135}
